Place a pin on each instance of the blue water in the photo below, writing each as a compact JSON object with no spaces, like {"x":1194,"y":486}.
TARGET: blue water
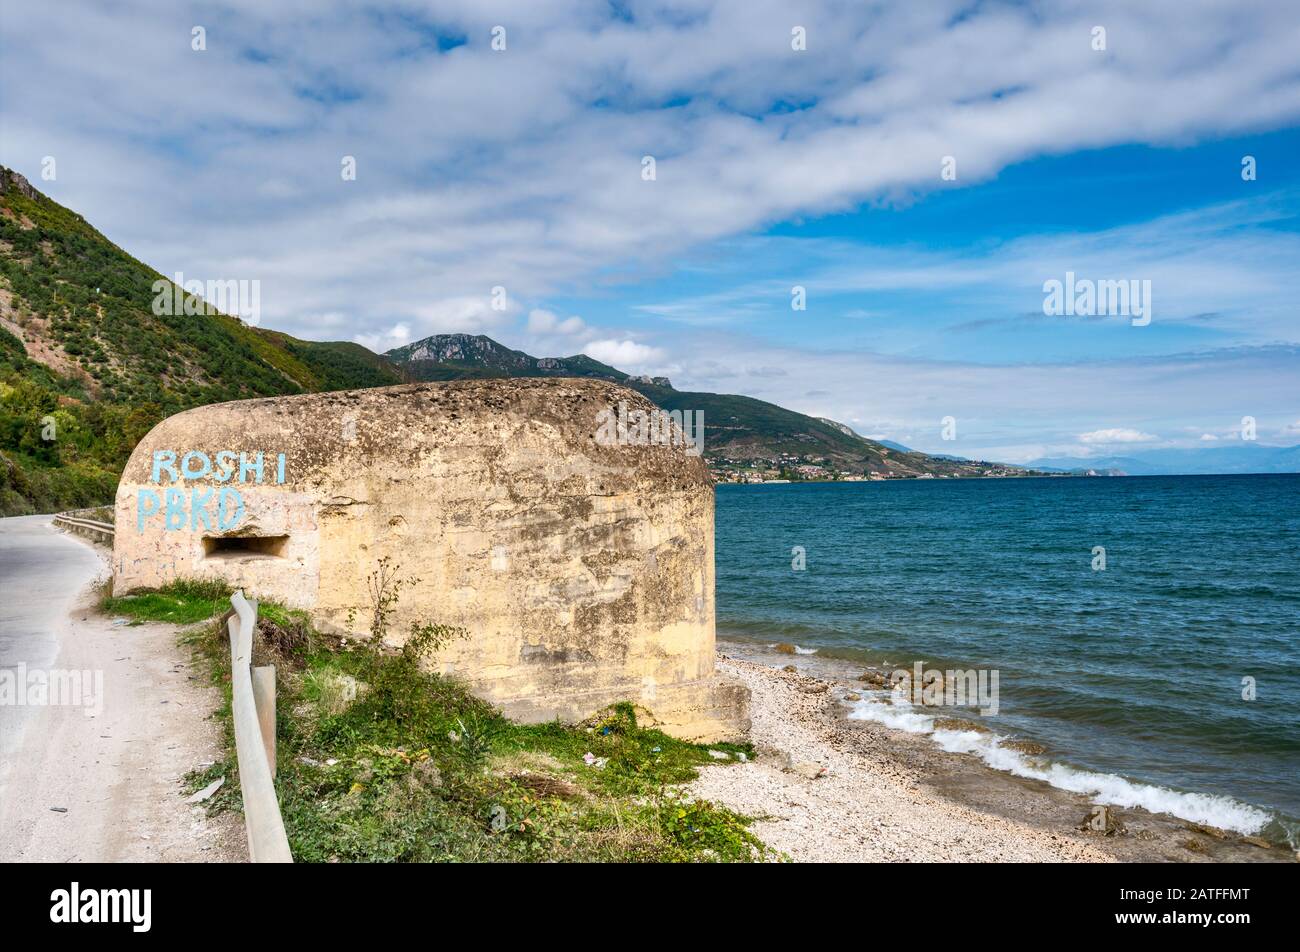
{"x":1135,"y":671}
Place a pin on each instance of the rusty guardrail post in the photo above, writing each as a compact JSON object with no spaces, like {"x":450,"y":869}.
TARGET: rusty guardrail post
{"x":267,"y":842}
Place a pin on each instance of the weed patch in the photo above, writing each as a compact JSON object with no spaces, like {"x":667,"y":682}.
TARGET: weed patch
{"x":381,"y":760}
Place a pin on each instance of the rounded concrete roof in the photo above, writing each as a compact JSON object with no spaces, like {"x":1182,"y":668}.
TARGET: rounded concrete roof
{"x":529,"y":430}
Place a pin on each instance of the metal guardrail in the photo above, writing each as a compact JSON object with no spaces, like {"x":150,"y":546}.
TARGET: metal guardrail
{"x":95,"y":529}
{"x":253,"y":704}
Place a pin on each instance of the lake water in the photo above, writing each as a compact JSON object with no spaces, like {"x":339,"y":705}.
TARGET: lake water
{"x":1131,"y":676}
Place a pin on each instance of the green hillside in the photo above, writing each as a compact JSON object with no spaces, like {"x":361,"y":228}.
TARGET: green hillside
{"x":86,"y":367}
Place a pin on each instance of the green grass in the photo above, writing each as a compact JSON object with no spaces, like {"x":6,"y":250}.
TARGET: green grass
{"x":381,"y":761}
{"x":182,"y":602}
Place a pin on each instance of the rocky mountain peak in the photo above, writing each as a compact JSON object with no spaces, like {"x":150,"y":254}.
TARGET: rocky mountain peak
{"x":11,"y":179}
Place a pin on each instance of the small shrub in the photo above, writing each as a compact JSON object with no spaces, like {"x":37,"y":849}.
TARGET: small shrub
{"x":427,"y":640}
{"x":332,"y":691}
{"x":698,"y":825}
{"x":473,"y":740}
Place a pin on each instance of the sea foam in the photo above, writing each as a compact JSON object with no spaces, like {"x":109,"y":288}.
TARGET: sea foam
{"x":1212,"y":810}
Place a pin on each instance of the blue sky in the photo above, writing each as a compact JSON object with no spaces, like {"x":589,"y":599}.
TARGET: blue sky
{"x":521,"y":168}
{"x":956,"y":274}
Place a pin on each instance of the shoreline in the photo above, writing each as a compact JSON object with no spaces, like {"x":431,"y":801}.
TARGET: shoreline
{"x":826,"y":787}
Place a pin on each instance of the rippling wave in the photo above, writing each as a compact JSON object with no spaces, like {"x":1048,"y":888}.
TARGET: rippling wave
{"x":1135,"y":673}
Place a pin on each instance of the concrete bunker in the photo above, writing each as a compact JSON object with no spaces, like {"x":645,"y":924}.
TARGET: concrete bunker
{"x":583,"y":569}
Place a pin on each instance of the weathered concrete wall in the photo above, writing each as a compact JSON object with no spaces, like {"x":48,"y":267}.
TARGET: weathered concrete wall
{"x":583,"y":571}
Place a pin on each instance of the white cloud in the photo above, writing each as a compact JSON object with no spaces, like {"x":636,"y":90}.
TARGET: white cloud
{"x":1208,"y":438}
{"x":467,"y":314}
{"x":395,"y":336}
{"x":477,"y":169}
{"x":1117,"y":435}
{"x":625,"y":354}
{"x":1004,"y":411}
{"x":541,"y":321}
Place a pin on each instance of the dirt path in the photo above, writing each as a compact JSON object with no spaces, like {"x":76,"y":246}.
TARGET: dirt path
{"x":112,"y":769}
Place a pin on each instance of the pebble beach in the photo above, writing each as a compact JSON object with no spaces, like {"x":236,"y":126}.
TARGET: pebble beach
{"x":824,"y":787}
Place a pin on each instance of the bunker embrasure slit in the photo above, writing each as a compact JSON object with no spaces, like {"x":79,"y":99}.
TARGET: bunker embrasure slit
{"x":235,"y":547}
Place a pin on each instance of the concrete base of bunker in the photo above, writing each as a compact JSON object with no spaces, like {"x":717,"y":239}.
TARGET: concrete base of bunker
{"x":707,"y":711}
{"x":581,"y":567}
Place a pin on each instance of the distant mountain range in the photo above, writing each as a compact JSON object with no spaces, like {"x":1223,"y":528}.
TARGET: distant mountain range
{"x":1239,"y":457}
{"x":737,"y":429}
{"x":458,"y":356}
{"x":81,"y":345}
